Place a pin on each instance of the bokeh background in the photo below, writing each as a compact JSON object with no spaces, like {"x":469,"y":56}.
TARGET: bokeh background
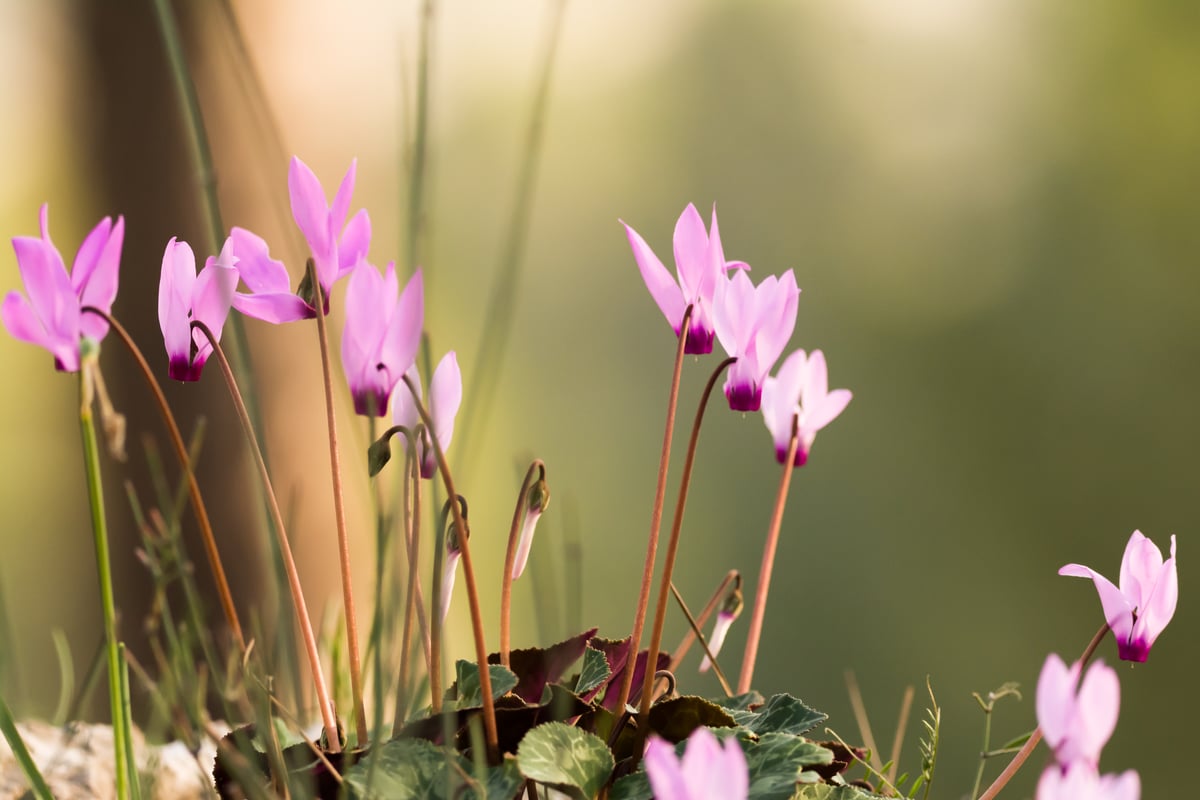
{"x":989,"y":207}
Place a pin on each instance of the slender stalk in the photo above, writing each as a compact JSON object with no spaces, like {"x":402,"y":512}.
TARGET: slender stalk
{"x":412,"y":501}
{"x":339,"y":510}
{"x":285,"y":549}
{"x":497,"y":322}
{"x":485,"y":678}
{"x":660,"y":493}
{"x":416,"y":182}
{"x":185,"y":461}
{"x":898,"y":739}
{"x":768,"y":561}
{"x":435,"y":614}
{"x":16,"y":744}
{"x":863,"y":721}
{"x":691,"y":635}
{"x":1027,"y":749}
{"x":126,"y":717}
{"x":91,"y":462}
{"x":698,"y":635}
{"x":660,"y":614}
{"x":510,"y":556}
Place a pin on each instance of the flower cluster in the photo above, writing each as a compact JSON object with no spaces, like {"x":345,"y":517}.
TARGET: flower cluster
{"x":1077,"y":723}
{"x":753,"y":325}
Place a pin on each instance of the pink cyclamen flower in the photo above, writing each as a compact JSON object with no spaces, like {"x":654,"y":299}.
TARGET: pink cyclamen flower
{"x":699,"y":263}
{"x":382,"y":333}
{"x":445,"y":396}
{"x":1077,"y":723}
{"x":753,"y":324}
{"x":336,"y":246}
{"x":184,"y":297}
{"x":52,"y":316}
{"x":800,"y":389}
{"x":1080,"y":781}
{"x":1138,"y":611}
{"x":708,"y":770}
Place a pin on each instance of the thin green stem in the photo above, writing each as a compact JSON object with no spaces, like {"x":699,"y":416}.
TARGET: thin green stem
{"x":510,"y":555}
{"x":285,"y":549}
{"x":339,"y":510}
{"x":481,"y":653}
{"x":435,"y":613}
{"x":768,"y":561}
{"x":185,"y":461}
{"x":8,"y":727}
{"x":91,"y":462}
{"x":660,"y":494}
{"x":497,"y":322}
{"x":987,"y":743}
{"x":694,"y":628}
{"x":1031,"y":744}
{"x":412,"y":508}
{"x":416,"y":182}
{"x":660,"y":613}
{"x":126,"y":717}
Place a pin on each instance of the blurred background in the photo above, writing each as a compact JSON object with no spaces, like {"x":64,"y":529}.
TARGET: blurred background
{"x":988,"y":206}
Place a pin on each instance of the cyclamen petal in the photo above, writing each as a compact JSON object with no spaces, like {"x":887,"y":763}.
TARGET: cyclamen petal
{"x":1145,"y":602}
{"x":185,"y":297}
{"x":753,"y":325}
{"x":709,"y":769}
{"x":1077,"y":722}
{"x":445,"y":399}
{"x":800,"y":391}
{"x":1081,"y":781}
{"x":381,"y":335}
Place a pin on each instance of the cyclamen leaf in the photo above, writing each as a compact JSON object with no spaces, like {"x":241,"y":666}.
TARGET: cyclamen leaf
{"x":594,"y":672}
{"x":469,"y":694}
{"x":564,"y":756}
{"x":785,"y":714}
{"x":775,"y":763}
{"x":632,"y":787}
{"x":826,"y":792}
{"x":414,"y":769}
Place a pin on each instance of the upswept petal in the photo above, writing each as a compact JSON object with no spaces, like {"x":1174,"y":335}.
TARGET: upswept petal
{"x":273,"y":307}
{"x":663,"y":288}
{"x":341,"y":201}
{"x":174,"y":302}
{"x":662,"y":768}
{"x":366,"y":320}
{"x":22,"y":322}
{"x":261,"y":273}
{"x":816,"y":381}
{"x":50,"y":292}
{"x":97,"y":286}
{"x":1055,"y":699}
{"x":309,"y":208}
{"x":445,"y":397}
{"x":1096,"y":709}
{"x":1117,"y":610}
{"x":403,"y":336}
{"x":354,"y":243}
{"x":525,"y":542}
{"x":734,"y":306}
{"x":1081,"y":781}
{"x":778,"y":320}
{"x":827,"y":410}
{"x":449,"y":571}
{"x":1159,"y":606}
{"x":212,"y":297}
{"x":692,"y":256}
{"x":1140,"y":566}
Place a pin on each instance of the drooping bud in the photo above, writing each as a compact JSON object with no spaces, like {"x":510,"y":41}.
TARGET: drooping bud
{"x":450,"y":565}
{"x":537,"y":500}
{"x":731,"y":609}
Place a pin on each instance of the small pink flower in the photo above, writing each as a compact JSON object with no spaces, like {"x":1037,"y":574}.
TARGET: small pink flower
{"x":753,"y":324}
{"x":336,"y":246}
{"x":708,"y":770}
{"x":800,"y":389}
{"x":699,"y":263}
{"x":445,"y":396}
{"x":381,"y":336}
{"x":1138,"y":611}
{"x":1080,"y":781}
{"x":184,"y":297}
{"x":1077,"y":724}
{"x":51,"y":317}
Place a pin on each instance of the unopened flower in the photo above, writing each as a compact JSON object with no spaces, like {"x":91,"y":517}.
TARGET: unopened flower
{"x":449,"y":569}
{"x":381,"y":336}
{"x":800,"y":390}
{"x":1077,"y":722}
{"x":184,"y":297}
{"x":51,"y":317}
{"x":753,"y":324}
{"x":731,"y":609}
{"x":537,"y":500}
{"x":708,"y":770}
{"x":445,"y":396}
{"x":699,"y":263}
{"x":1080,"y":781}
{"x":1144,"y":603}
{"x":336,"y":246}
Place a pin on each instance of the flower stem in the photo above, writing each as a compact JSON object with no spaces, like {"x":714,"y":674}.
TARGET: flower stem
{"x":485,"y":678}
{"x":697,"y":634}
{"x":1032,"y":742}
{"x":510,"y":555}
{"x":768,"y":562}
{"x":660,"y":493}
{"x":660,"y":614}
{"x":339,"y":510}
{"x":91,"y":462}
{"x":285,"y":549}
{"x":185,"y":461}
{"x":412,"y":516}
{"x":691,"y":635}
